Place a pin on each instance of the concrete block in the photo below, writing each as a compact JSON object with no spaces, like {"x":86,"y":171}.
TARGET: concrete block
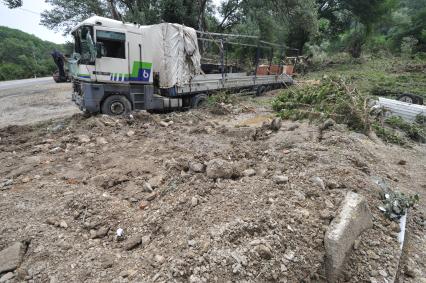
{"x":352,"y":219}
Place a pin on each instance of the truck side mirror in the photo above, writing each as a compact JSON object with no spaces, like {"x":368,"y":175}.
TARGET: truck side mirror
{"x":100,"y":50}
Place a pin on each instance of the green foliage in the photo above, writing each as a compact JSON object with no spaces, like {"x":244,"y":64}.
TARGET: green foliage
{"x":414,"y":131}
{"x":388,"y":135}
{"x":221,"y":97}
{"x":23,"y":55}
{"x":332,"y":98}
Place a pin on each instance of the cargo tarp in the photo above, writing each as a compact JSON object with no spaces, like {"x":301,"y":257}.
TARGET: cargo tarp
{"x":177,"y":58}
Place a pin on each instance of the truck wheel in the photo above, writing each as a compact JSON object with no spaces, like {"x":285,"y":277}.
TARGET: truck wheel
{"x":116,"y":105}
{"x":199,"y":101}
{"x":411,"y":98}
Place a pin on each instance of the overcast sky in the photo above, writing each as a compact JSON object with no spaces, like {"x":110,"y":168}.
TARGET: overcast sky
{"x":27,"y":19}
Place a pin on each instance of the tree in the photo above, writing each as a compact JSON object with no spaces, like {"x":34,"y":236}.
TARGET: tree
{"x":357,"y":17}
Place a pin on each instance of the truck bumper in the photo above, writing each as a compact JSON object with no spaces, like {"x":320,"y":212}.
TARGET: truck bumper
{"x":90,"y":97}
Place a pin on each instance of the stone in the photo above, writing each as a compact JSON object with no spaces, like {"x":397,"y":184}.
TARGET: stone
{"x":326,"y":214}
{"x":263,"y":251}
{"x":11,"y":257}
{"x":196,"y":167}
{"x":318,"y":181}
{"x":280,"y":179}
{"x":130,"y":133}
{"x":83,"y":139}
{"x":328,"y":124}
{"x":383,"y":273}
{"x":6,"y":277}
{"x":402,"y":162}
{"x":147,"y":187}
{"x":63,"y":224}
{"x":194,"y":201}
{"x":164,"y":124}
{"x":133,"y":243}
{"x":220,"y":169}
{"x":143,"y":204}
{"x":276,"y":124}
{"x":101,"y":141}
{"x":249,"y":172}
{"x":159,"y":259}
{"x":151,"y":196}
{"x":352,"y":219}
{"x":100,"y":233}
{"x":395,"y":227}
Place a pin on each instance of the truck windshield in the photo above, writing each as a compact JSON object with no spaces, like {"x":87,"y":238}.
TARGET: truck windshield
{"x":83,"y":45}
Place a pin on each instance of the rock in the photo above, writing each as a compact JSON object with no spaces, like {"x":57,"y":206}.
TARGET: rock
{"x":156,"y":181}
{"x":59,"y":127}
{"x":133,"y":243}
{"x":319,"y":182}
{"x":356,"y":244}
{"x":249,"y":172}
{"x":194,"y":201}
{"x":83,"y":138}
{"x":6,"y":183}
{"x":292,"y":128}
{"x":219,"y":168}
{"x":159,"y":259}
{"x":280,"y":179}
{"x":383,"y":273}
{"x":63,"y":224}
{"x":402,"y":162}
{"x":289,"y":255}
{"x":143,"y":204}
{"x":263,"y":251}
{"x":164,"y":124}
{"x":101,"y":141}
{"x":100,"y":233}
{"x":353,"y":217}
{"x":276,"y":124}
{"x":395,"y":227}
{"x":326,"y":214}
{"x":196,"y":167}
{"x":147,"y":187}
{"x":328,"y":124}
{"x":329,"y":204}
{"x":130,"y":133}
{"x":151,"y":196}
{"x":11,"y":257}
{"x":52,"y":221}
{"x":374,"y":273}
{"x":7,"y":277}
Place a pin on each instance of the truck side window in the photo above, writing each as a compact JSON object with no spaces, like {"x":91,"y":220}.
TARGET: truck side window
{"x":114,"y":43}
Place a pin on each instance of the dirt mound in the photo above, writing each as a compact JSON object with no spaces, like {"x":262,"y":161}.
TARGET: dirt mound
{"x":71,"y":188}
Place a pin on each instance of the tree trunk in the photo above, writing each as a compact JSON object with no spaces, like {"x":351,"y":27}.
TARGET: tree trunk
{"x":114,"y":13}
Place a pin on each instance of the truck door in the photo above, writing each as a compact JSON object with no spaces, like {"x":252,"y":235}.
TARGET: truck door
{"x":112,"y":66}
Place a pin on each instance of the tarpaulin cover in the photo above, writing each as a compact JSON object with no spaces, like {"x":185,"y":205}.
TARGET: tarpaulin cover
{"x":175,"y":53}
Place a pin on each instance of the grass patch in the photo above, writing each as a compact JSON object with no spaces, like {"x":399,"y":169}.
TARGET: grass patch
{"x":377,"y":76}
{"x":414,"y":131}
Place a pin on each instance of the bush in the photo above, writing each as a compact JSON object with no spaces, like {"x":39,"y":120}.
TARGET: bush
{"x":332,"y":98}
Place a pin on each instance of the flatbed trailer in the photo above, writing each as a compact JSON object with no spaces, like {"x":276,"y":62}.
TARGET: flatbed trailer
{"x":149,"y":68}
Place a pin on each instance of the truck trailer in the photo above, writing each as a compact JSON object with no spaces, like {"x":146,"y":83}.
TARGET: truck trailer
{"x":120,"y":67}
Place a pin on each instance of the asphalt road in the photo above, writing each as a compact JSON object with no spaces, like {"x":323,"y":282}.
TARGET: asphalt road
{"x":34,"y":100}
{"x":26,"y":82}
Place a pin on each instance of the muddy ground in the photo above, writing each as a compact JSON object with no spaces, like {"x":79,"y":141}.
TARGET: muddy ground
{"x":198,"y":198}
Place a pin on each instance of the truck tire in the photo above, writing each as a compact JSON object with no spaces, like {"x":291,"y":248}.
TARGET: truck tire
{"x":411,"y":98}
{"x":115,"y":105}
{"x":199,"y":101}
